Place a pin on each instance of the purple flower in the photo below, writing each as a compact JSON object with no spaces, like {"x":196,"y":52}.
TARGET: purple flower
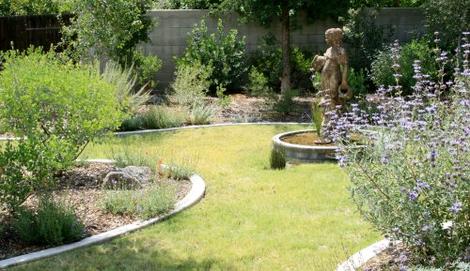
{"x":456,"y":207}
{"x":413,"y":195}
{"x":422,"y":185}
{"x":432,"y":156}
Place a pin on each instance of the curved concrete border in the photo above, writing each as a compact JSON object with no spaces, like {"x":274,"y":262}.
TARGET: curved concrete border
{"x":304,"y":153}
{"x":140,"y":132}
{"x":363,"y":256}
{"x":196,"y":193}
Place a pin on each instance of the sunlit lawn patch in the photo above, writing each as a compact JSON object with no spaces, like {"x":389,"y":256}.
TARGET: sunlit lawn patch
{"x":252,"y":218}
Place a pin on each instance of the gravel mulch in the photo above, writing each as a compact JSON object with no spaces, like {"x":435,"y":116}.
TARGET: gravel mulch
{"x":80,"y":188}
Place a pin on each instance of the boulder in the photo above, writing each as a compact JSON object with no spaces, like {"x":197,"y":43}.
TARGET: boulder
{"x":127,"y":178}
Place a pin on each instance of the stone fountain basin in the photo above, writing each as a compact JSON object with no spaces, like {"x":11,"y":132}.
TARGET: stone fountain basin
{"x":303,"y":153}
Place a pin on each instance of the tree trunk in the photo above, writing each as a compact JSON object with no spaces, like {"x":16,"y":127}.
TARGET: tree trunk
{"x":285,"y":46}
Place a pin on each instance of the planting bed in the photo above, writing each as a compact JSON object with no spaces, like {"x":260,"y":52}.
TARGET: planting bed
{"x":81,"y":189}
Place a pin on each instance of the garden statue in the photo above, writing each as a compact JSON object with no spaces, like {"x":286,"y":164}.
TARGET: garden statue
{"x":333,"y":69}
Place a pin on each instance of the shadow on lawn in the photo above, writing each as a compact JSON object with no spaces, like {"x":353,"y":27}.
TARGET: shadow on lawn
{"x":125,"y":254}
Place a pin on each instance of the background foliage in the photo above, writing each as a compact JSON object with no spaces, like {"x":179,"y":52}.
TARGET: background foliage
{"x":111,"y":31}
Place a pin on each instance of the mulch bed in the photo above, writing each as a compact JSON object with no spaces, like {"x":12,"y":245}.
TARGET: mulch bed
{"x":244,"y":108}
{"x":80,"y":187}
{"x":390,"y":259}
{"x":396,"y":258}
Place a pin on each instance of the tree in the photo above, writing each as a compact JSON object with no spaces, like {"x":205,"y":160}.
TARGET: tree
{"x":284,"y":12}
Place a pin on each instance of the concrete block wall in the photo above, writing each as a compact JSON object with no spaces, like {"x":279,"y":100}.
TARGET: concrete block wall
{"x":168,"y":38}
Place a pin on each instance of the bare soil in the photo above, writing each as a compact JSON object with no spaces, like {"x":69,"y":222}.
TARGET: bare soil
{"x":80,"y":188}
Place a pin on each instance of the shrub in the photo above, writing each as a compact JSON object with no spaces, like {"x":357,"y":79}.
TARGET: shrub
{"x":258,"y":83}
{"x":448,"y":17}
{"x":267,"y":59}
{"x":357,"y":82}
{"x":382,"y":72}
{"x":177,"y":172}
{"x":364,"y":37}
{"x":192,"y":82}
{"x":145,"y":203}
{"x":112,"y":30}
{"x":285,"y":104}
{"x":51,"y":224}
{"x":34,"y":7}
{"x":411,"y":182}
{"x":277,"y":159}
{"x":57,"y":108}
{"x":160,"y":117}
{"x":225,"y":52}
{"x":125,"y":82}
{"x":201,"y":114}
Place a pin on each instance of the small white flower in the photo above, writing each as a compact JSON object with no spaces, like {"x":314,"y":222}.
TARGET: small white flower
{"x":447,"y":225}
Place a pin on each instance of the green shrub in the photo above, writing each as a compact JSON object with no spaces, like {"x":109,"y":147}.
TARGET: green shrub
{"x":277,"y":159}
{"x":192,"y":82}
{"x":201,"y":114}
{"x":382,"y":72}
{"x":145,"y":203}
{"x":285,"y":104}
{"x":258,"y":83}
{"x":364,"y":37}
{"x":51,"y":224}
{"x":225,"y":52}
{"x":34,"y":7}
{"x":57,"y":108}
{"x":267,"y":59}
{"x":357,"y":82}
{"x":112,"y":30}
{"x":301,"y":64}
{"x":132,"y":124}
{"x":448,"y":17}
{"x":160,"y":117}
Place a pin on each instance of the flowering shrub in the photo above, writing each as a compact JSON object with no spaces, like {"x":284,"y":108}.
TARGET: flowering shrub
{"x":412,"y":180}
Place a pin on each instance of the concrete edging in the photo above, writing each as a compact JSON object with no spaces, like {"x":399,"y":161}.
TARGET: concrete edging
{"x":196,"y":193}
{"x":225,"y":124}
{"x":363,"y":256}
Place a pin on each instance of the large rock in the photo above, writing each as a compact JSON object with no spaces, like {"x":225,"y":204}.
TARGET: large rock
{"x":127,"y":178}
{"x":143,"y":174}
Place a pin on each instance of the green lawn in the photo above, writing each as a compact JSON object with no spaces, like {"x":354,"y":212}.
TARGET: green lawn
{"x":252,"y":218}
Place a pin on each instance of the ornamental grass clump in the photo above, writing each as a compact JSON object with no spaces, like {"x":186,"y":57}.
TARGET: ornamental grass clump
{"x":412,"y":182}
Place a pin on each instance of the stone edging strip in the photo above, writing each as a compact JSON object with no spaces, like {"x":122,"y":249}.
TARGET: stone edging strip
{"x":139,"y":132}
{"x":363,"y":256}
{"x":207,"y":126}
{"x":196,"y":193}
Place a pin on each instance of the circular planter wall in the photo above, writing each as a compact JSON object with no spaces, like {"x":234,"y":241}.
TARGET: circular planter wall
{"x":303,"y":153}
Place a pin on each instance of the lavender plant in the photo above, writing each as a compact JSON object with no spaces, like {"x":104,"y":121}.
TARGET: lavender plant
{"x":412,"y":179}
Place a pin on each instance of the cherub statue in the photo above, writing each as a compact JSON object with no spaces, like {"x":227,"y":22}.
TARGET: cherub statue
{"x":333,"y":67}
